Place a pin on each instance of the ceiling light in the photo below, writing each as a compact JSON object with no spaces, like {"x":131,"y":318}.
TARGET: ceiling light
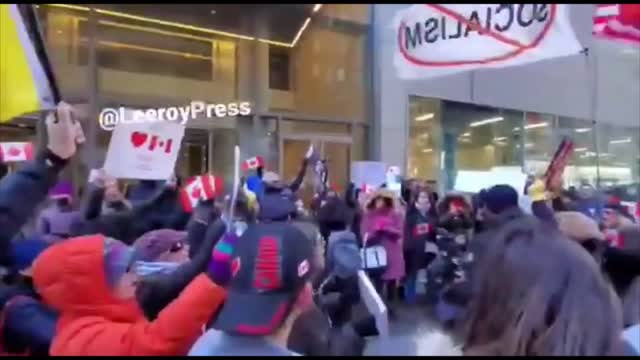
{"x":620,"y":141}
{"x":527,"y":145}
{"x":464,"y":139}
{"x":213,"y":12}
{"x":304,"y":26}
{"x":466,"y":134}
{"x":427,"y":150}
{"x":582,"y":130}
{"x":583,"y":149}
{"x":317,"y":8}
{"x":502,"y":138}
{"x":425,"y":117}
{"x":486,"y":121}
{"x":537,"y":125}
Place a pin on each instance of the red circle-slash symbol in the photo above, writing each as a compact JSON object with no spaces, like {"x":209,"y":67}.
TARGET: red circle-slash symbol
{"x":518,"y":47}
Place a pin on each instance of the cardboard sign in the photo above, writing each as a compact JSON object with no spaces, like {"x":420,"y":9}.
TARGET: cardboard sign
{"x":15,"y":151}
{"x":374,"y":303}
{"x":440,"y":39}
{"x":559,"y":162}
{"x":146,"y":150}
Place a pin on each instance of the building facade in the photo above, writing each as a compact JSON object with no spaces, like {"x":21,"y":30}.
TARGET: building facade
{"x":512,"y":117}
{"x":324,"y":74}
{"x":303,"y":68}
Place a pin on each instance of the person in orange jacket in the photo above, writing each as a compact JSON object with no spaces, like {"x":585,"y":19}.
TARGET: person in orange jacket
{"x":90,"y":281}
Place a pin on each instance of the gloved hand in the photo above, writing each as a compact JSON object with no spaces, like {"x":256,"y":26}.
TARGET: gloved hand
{"x":537,"y":191}
{"x":220,"y":269}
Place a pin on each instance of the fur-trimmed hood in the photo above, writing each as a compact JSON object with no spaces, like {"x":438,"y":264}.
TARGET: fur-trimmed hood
{"x":385,"y":194}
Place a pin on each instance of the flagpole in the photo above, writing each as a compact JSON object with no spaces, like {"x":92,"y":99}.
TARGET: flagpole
{"x":590,"y":59}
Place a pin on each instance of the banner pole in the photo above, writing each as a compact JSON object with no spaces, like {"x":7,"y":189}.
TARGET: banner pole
{"x":590,"y":59}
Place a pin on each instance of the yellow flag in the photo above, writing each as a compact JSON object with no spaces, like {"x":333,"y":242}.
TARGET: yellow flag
{"x":26,"y":82}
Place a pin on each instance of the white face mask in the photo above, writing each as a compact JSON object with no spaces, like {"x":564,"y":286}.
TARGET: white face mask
{"x":146,"y":268}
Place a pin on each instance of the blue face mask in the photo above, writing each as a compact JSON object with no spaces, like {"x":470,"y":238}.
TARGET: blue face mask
{"x":146,"y":268}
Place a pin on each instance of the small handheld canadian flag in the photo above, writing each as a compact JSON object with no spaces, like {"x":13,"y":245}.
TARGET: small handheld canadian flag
{"x":253,"y":163}
{"x":15,"y":151}
{"x":203,"y":187}
{"x":367,"y":189}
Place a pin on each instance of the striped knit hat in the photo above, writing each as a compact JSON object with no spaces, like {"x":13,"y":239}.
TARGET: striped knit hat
{"x":221,"y":264}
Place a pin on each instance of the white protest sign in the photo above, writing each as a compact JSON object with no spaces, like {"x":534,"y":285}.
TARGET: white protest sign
{"x":373,"y":173}
{"x":440,"y":39}
{"x":474,"y":181}
{"x":374,"y":303}
{"x":146,"y":150}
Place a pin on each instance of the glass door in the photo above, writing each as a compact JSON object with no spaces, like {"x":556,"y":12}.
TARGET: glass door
{"x":293,"y":151}
{"x":335,"y":149}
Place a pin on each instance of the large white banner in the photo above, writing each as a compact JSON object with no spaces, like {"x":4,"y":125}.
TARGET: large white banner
{"x":440,"y":39}
{"x":144,"y":150}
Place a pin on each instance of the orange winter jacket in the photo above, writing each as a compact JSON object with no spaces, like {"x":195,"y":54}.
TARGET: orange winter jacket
{"x":70,"y":277}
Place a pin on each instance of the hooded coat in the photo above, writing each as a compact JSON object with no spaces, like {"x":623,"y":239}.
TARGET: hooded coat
{"x":71,"y":279}
{"x":385,"y":227}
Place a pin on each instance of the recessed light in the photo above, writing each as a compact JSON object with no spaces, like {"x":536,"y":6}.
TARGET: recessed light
{"x":213,"y":12}
{"x":424,"y":117}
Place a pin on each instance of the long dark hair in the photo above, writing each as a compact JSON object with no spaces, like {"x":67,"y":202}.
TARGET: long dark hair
{"x":539,"y":293}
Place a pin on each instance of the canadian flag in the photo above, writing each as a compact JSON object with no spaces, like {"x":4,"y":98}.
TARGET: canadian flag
{"x":253,"y":163}
{"x":203,"y":187}
{"x":421,"y":229}
{"x":15,"y":151}
{"x":618,"y":22}
{"x":367,"y":189}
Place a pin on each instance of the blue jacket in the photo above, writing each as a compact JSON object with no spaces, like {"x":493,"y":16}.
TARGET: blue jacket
{"x":20,"y":194}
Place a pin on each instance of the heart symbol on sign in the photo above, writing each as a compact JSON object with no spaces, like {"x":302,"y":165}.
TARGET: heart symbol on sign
{"x":138,"y":138}
{"x":14,"y":151}
{"x":195,"y":193}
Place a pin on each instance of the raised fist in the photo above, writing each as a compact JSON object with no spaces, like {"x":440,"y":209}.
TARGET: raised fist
{"x":64,"y":131}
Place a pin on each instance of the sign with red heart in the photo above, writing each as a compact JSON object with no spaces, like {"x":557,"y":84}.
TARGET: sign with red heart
{"x":143,"y":150}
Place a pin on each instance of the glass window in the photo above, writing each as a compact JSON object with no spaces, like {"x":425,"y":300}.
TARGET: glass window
{"x":279,"y":68}
{"x":582,"y":165}
{"x":539,"y":141}
{"x":142,"y":51}
{"x":424,"y":138}
{"x":330,"y":63}
{"x":312,"y":127}
{"x":618,"y":154}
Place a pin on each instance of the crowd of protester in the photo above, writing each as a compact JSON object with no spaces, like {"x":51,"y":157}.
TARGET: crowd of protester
{"x":133,"y":273}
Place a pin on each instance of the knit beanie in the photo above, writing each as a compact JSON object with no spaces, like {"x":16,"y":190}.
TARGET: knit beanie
{"x":118,"y":257}
{"x":220,"y":266}
{"x":154,"y":243}
{"x":500,"y":198}
{"x":578,"y":226}
{"x":61,"y":190}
